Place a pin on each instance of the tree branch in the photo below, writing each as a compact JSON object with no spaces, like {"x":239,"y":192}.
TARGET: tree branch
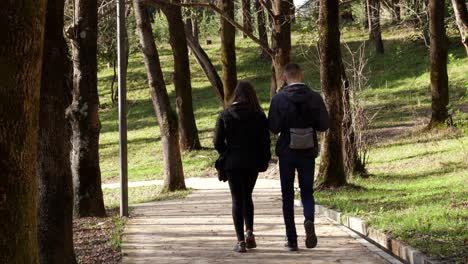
{"x":220,"y":12}
{"x":268,"y":9}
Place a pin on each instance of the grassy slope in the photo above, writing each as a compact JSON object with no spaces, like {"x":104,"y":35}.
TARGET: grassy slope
{"x":418,"y":186}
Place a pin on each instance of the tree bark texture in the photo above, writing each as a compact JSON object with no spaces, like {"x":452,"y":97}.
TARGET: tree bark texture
{"x":246,"y":17}
{"x":331,"y":171}
{"x":206,"y":65}
{"x":396,"y":12}
{"x":167,"y":118}
{"x":188,"y":131}
{"x":228,"y":50}
{"x":365,"y":21}
{"x":375,"y":33}
{"x":280,"y":41}
{"x":83,"y":113}
{"x":262,"y":31}
{"x":292,"y":8}
{"x":191,"y":21}
{"x":438,"y":57}
{"x":461,"y":16}
{"x":22,"y":26}
{"x":55,"y":212}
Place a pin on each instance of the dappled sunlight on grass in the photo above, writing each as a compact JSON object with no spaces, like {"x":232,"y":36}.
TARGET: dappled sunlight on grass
{"x":418,"y":184}
{"x":417,"y":192}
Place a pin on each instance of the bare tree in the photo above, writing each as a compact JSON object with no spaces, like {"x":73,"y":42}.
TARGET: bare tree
{"x":396,"y":11}
{"x":83,"y":113}
{"x":262,"y":31}
{"x":228,"y":50}
{"x":375,"y":33}
{"x":246,"y":17}
{"x":21,"y":46}
{"x":167,"y":118}
{"x":206,"y":65}
{"x":461,"y":16}
{"x":55,"y":212}
{"x":280,"y":40}
{"x":188,"y":132}
{"x":355,"y":121}
{"x":191,"y":21}
{"x":332,"y":171}
{"x":438,"y":56}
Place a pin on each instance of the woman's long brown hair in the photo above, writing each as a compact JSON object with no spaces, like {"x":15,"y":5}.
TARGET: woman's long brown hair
{"x":245,"y":93}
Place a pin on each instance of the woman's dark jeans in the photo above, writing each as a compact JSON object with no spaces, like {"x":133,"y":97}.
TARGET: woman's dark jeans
{"x":242,"y":183}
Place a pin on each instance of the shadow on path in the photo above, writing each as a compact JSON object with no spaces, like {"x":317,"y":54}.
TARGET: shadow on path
{"x":199,"y":229}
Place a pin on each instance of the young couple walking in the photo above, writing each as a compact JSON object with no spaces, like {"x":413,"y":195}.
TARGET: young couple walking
{"x":242,"y":138}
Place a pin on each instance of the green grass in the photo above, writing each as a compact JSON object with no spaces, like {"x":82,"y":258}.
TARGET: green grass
{"x":417,"y":190}
{"x":141,"y":195}
{"x":116,"y":236}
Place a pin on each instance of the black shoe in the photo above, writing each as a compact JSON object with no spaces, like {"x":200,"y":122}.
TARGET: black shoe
{"x":311,"y":238}
{"x":240,"y":247}
{"x":291,"y":245}
{"x":250,"y":240}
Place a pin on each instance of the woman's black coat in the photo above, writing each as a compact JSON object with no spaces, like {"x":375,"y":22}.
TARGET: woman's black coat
{"x":243,"y":137}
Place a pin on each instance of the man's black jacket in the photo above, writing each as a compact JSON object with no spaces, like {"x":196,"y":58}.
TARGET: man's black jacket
{"x":242,"y":136}
{"x":296,"y":106}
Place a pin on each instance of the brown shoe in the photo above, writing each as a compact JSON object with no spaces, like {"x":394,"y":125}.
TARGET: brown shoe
{"x":250,"y":240}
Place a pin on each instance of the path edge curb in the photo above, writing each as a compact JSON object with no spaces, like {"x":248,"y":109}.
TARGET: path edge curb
{"x":392,"y":246}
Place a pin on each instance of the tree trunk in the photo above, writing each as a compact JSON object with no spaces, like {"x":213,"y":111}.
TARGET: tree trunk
{"x":195,"y":29}
{"x":55,"y":212}
{"x":438,"y":55}
{"x":331,"y":171}
{"x":292,"y":9}
{"x":375,"y":34}
{"x":21,"y":45}
{"x":83,"y":113}
{"x":167,"y":118}
{"x":396,"y":12}
{"x":191,"y":21}
{"x":461,"y":15}
{"x":262,"y":31}
{"x":228,"y":50}
{"x":187,"y":127}
{"x":246,"y":17}
{"x":365,"y":21}
{"x":280,"y":41}
{"x":206,"y":65}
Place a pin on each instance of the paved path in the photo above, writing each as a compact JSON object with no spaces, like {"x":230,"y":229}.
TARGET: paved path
{"x":199,"y":229}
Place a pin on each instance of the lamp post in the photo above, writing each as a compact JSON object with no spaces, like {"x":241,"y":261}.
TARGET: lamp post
{"x":122,"y":82}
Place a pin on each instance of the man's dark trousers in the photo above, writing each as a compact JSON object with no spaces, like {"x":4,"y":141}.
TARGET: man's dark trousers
{"x":304,"y":164}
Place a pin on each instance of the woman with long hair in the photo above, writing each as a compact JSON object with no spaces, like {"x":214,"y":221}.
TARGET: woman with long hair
{"x":243,"y":138}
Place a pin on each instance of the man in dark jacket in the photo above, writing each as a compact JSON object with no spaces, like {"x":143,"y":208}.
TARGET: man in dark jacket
{"x":297,"y":108}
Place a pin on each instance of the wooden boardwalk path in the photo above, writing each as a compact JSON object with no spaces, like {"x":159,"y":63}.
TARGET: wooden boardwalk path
{"x":199,"y":229}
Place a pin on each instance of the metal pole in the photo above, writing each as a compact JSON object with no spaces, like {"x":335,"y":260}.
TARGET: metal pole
{"x":122,"y":78}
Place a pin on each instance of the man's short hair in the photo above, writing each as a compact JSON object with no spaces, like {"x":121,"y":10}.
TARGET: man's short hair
{"x":292,"y":70}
